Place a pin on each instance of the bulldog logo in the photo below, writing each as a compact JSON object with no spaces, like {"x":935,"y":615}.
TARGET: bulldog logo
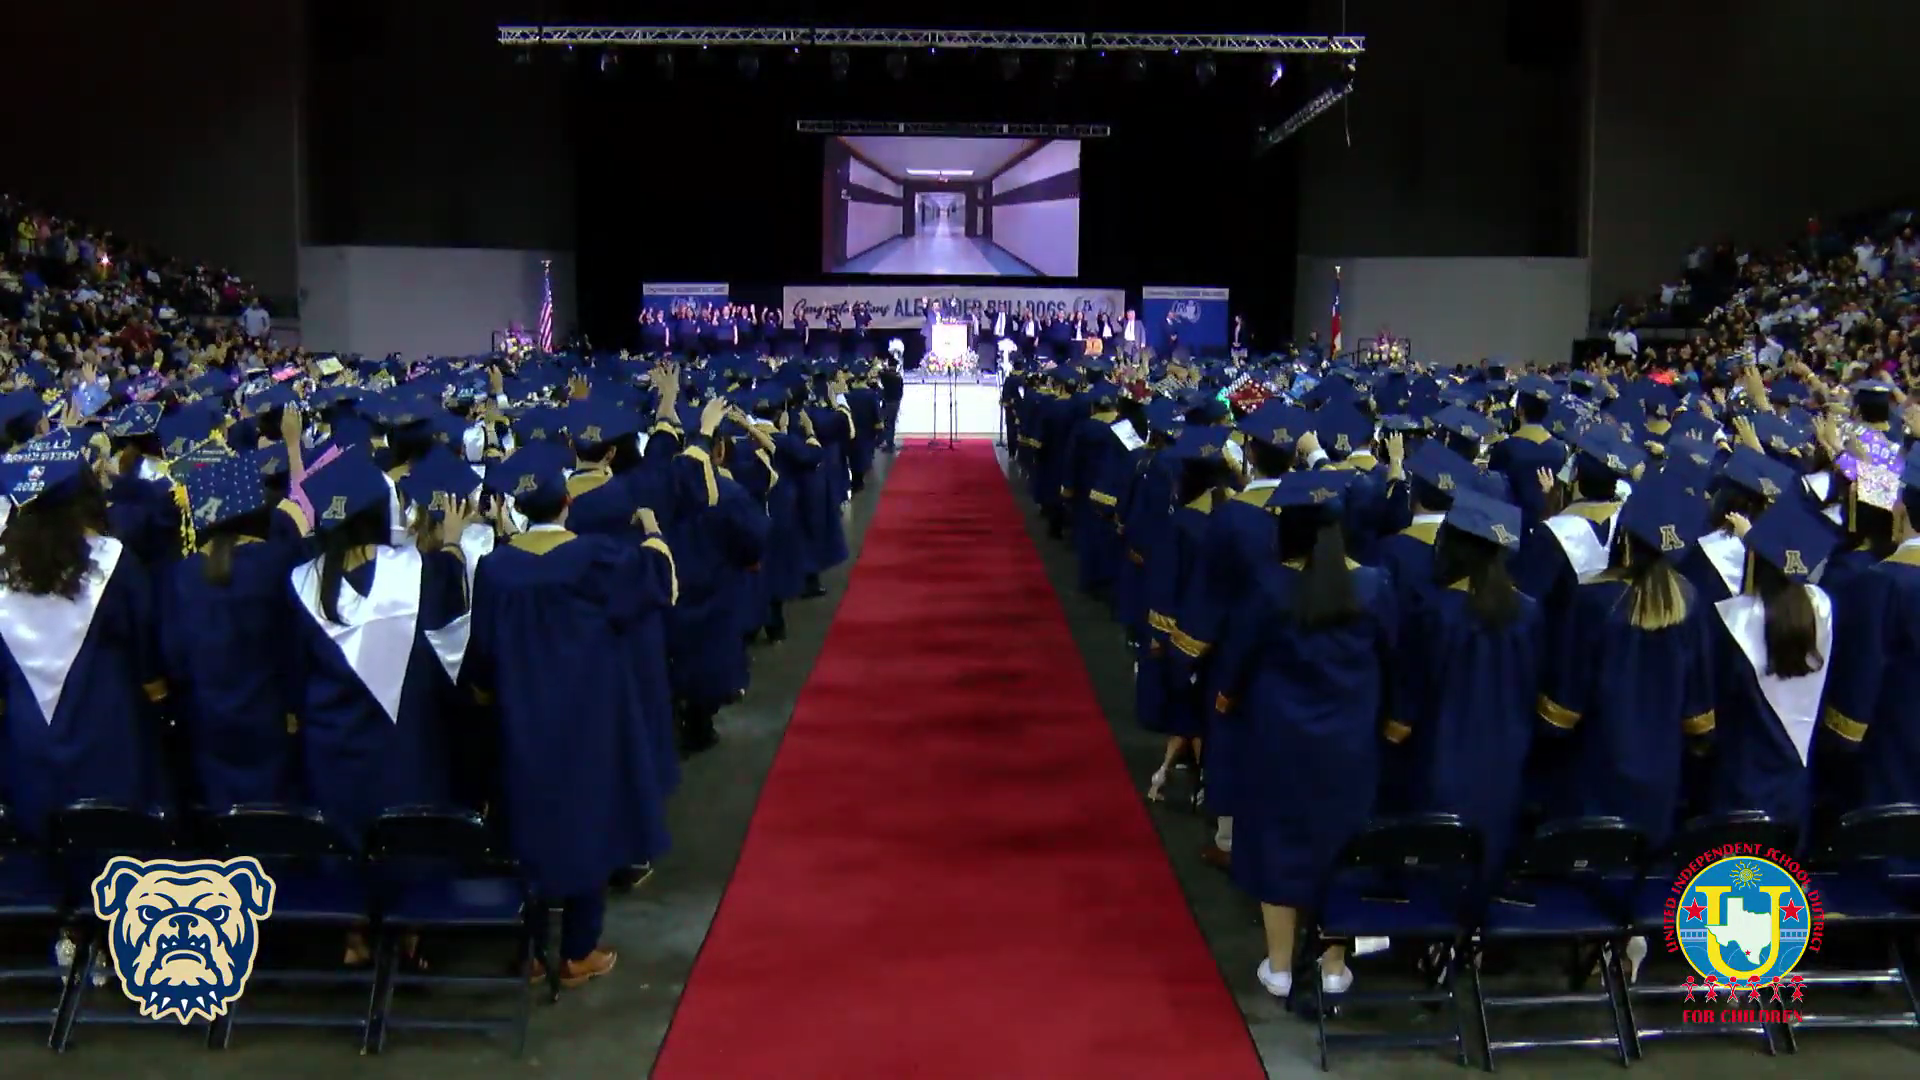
{"x":183,"y":934}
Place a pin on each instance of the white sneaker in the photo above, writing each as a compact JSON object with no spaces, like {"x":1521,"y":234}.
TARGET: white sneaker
{"x":1279,"y":985}
{"x":1338,"y":983}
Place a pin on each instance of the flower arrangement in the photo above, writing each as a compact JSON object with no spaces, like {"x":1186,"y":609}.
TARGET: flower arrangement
{"x":963,"y":364}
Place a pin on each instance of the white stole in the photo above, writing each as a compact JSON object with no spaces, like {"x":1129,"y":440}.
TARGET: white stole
{"x":1796,"y":701}
{"x":45,"y":633}
{"x":1585,"y":552}
{"x":375,"y":635}
{"x":1728,"y":554}
{"x":1129,"y":437}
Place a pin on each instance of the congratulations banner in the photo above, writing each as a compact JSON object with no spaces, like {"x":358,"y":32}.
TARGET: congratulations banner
{"x":1199,"y":316}
{"x":666,"y":296}
{"x":903,"y":307}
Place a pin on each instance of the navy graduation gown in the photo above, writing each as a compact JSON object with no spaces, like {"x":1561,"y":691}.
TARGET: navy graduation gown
{"x":359,"y":760}
{"x":785,"y":565}
{"x":1166,"y":700}
{"x":1763,"y":725}
{"x":600,"y":506}
{"x":715,"y":540}
{"x":96,"y":661}
{"x":1519,"y":458}
{"x":1629,"y":698}
{"x":142,"y":514}
{"x":567,"y":643}
{"x":1095,"y":453}
{"x":1144,"y":503}
{"x":233,"y":679}
{"x":1407,"y":559}
{"x":1302,"y":712}
{"x":1873,"y":690}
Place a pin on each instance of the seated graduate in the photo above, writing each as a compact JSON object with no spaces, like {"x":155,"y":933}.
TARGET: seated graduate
{"x":1467,"y":676}
{"x":1631,"y":677}
{"x":568,"y":644}
{"x":376,"y":637}
{"x":1748,"y":483}
{"x":1873,"y":691}
{"x":1298,"y":679}
{"x":81,"y":666}
{"x":1777,"y":634}
{"x":224,"y":609}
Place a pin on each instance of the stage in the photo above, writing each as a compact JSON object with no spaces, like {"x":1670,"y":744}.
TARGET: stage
{"x":935,"y":405}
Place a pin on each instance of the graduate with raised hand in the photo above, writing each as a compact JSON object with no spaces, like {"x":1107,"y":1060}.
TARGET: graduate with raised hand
{"x":1748,"y":483}
{"x":1466,"y":676}
{"x":1776,"y":636}
{"x":378,"y":627}
{"x":224,"y":611}
{"x":566,"y":643}
{"x":793,"y":454}
{"x":1630,"y":683}
{"x":1298,"y":680}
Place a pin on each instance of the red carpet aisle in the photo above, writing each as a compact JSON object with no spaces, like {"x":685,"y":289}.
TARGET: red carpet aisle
{"x":950,"y":873}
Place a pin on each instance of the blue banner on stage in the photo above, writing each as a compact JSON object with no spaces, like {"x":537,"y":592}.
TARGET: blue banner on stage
{"x":1199,"y":316}
{"x":665,"y":296}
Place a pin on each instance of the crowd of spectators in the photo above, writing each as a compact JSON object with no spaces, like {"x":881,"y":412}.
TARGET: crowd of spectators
{"x":74,"y":297}
{"x":1840,"y":302}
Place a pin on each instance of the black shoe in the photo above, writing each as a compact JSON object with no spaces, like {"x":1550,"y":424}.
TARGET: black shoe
{"x":814,"y":592}
{"x":698,"y":739}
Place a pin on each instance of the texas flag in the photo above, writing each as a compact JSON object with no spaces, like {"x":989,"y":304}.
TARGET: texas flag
{"x":1335,"y":336}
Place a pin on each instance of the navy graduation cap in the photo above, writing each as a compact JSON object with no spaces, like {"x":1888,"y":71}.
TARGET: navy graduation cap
{"x":1463,"y":422}
{"x":1663,"y":516}
{"x":223,"y":490}
{"x":1276,"y":423}
{"x":276,"y":396}
{"x":538,"y":424}
{"x":1440,"y":469}
{"x":19,"y":405}
{"x":186,"y":428}
{"x":1605,"y":449}
{"x":271,"y":459}
{"x":1778,"y":434}
{"x":1793,"y":538}
{"x":1315,"y":488}
{"x":1199,"y":443}
{"x":1694,"y":425}
{"x":348,"y":485}
{"x":135,"y":420}
{"x":1163,"y":415}
{"x":1491,"y":520}
{"x":46,"y":467}
{"x":594,"y":422}
{"x":534,"y":477}
{"x":1538,"y":386}
{"x":1754,"y":471}
{"x":1343,"y":429}
{"x":438,"y":479}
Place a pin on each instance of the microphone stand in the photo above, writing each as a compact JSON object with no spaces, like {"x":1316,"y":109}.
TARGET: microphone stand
{"x":953,"y":410}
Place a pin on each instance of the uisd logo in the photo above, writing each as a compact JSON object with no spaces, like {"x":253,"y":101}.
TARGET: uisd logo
{"x":1744,"y":919}
{"x":183,"y":934}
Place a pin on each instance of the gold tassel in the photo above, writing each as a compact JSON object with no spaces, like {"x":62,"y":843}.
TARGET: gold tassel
{"x":189,"y":543}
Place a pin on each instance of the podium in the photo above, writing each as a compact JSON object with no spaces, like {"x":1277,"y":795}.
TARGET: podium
{"x":949,"y":341}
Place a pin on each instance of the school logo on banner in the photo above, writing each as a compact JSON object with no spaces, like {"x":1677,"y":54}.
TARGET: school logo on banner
{"x":1743,"y":918}
{"x":183,"y":934}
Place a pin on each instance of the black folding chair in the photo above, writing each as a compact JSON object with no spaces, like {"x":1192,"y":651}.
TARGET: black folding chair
{"x":85,"y":836}
{"x":33,"y":903}
{"x":319,"y":885}
{"x":1866,"y":876}
{"x":1738,"y":830}
{"x":1410,"y":879}
{"x":1569,"y":884}
{"x":440,"y":870}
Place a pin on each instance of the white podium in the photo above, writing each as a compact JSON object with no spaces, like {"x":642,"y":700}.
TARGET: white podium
{"x":949,"y":339}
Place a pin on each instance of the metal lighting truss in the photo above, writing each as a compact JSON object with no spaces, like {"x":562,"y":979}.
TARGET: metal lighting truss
{"x":1291,"y":126}
{"x":850,"y":37}
{"x":982,"y":129}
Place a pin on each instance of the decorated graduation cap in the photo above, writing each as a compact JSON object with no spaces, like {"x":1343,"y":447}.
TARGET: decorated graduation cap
{"x":1750,"y":470}
{"x":1439,"y":473}
{"x":187,"y":427}
{"x":1343,"y":429}
{"x":1322,"y":488}
{"x":438,"y":479}
{"x":1276,"y":423}
{"x":1663,"y":516}
{"x":348,"y":485}
{"x":1603,"y":449}
{"x":223,"y":490}
{"x":134,"y":420}
{"x":1492,"y":520}
{"x":48,"y":467}
{"x":535,"y":477}
{"x":1793,"y":538}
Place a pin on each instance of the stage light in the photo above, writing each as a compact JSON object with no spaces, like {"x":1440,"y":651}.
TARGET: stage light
{"x":664,"y":61}
{"x":749,"y":64}
{"x":1205,"y":70}
{"x":1279,"y":72}
{"x":609,"y":62}
{"x":838,"y":63}
{"x":897,"y":65}
{"x":1010,"y":66}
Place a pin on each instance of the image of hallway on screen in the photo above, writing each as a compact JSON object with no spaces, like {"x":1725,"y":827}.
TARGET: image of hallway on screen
{"x":952,"y":207}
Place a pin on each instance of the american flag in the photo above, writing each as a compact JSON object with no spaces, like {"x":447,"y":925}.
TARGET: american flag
{"x":544,"y":335}
{"x":1335,"y":336}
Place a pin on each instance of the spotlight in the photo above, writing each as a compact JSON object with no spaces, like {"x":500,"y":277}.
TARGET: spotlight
{"x":838,"y":63}
{"x":1063,"y":68}
{"x":1205,"y":70}
{"x":664,"y":61}
{"x":609,"y":62}
{"x":1010,"y":66}
{"x":1278,"y":72}
{"x":1136,"y":67}
{"x":897,"y":65}
{"x":749,"y":64}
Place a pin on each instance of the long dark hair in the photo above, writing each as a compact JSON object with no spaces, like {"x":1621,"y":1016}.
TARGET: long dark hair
{"x":368,"y":528}
{"x":219,"y":541}
{"x":46,"y":552}
{"x":1657,"y":596}
{"x":1872,"y":529}
{"x":1792,"y":631}
{"x":1325,"y":597}
{"x":1735,"y":500}
{"x":1491,"y":594}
